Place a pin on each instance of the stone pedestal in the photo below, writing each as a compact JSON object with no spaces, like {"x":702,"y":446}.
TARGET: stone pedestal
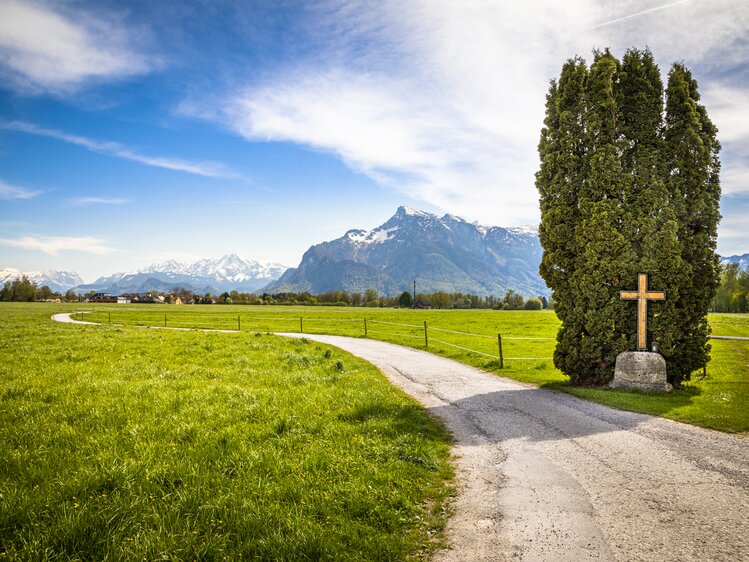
{"x":641,"y":370}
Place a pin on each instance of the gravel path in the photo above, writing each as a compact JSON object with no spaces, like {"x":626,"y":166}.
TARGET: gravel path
{"x":546,"y":476}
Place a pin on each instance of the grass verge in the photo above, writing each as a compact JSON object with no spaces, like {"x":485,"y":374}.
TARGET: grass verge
{"x":121,"y":444}
{"x":717,"y":401}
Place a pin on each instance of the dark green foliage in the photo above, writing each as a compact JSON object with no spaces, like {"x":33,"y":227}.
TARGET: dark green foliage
{"x":733,"y":292}
{"x":625,"y":188}
{"x":511,"y":301}
{"x":22,"y":290}
{"x":406,"y":300}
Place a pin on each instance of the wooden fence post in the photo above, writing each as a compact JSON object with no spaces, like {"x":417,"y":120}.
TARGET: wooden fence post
{"x":239,"y":324}
{"x":164,"y":320}
{"x":110,"y":317}
{"x":301,"y":326}
{"x":365,"y":327}
{"x":426,"y":337}
{"x":501,"y":358}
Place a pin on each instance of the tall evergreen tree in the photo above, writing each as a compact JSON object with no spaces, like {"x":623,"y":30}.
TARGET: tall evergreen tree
{"x":692,"y":149}
{"x":616,"y":184}
{"x":562,"y":150}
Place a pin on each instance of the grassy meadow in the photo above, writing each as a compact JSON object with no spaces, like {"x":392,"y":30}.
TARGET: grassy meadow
{"x":120,"y":444}
{"x":717,"y":401}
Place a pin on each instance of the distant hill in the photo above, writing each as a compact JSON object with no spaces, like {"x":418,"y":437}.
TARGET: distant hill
{"x":444,"y":253}
{"x":230,"y":272}
{"x":742,"y":260}
{"x":58,"y":281}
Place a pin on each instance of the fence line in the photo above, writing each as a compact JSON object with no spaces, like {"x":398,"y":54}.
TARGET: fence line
{"x":521,"y":338}
{"x":420,"y":336}
{"x":250,"y":319}
{"x":397,"y":324}
{"x":464,"y":333}
{"x":466,"y":349}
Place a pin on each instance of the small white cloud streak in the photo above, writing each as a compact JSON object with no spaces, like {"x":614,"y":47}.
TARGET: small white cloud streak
{"x":50,"y":48}
{"x":638,"y":14}
{"x":207,"y":169}
{"x":53,"y":245}
{"x":8,"y":191}
{"x":84,"y":201}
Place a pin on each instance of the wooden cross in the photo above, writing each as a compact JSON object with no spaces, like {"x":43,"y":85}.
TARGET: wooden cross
{"x":642,"y":296}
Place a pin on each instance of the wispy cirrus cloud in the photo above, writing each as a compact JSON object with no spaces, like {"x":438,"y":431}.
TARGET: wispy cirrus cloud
{"x":96,"y":200}
{"x":208,"y":168}
{"x":445,"y":101}
{"x":53,"y":245}
{"x":8,"y":191}
{"x":53,"y":47}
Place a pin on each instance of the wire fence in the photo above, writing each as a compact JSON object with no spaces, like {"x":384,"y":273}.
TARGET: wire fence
{"x":379,"y":329}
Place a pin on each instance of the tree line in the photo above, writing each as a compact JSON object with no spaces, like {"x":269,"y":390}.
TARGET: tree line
{"x":23,"y":290}
{"x":733,"y":291}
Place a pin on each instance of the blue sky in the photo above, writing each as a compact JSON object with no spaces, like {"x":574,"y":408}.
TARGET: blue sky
{"x":134,"y":132}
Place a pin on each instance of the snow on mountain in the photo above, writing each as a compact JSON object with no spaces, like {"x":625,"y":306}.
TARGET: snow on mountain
{"x":742,"y":261}
{"x":59,"y":281}
{"x":444,"y":253}
{"x":227,"y":273}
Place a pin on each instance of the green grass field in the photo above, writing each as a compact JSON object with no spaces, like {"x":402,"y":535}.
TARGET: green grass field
{"x":123,"y":444}
{"x":719,"y":401}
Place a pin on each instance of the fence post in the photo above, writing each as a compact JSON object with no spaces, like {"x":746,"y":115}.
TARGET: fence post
{"x":501,"y":358}
{"x":365,"y":327}
{"x":239,"y":324}
{"x":426,"y":337}
{"x":301,"y":326}
{"x":110,"y":317}
{"x":164,"y":320}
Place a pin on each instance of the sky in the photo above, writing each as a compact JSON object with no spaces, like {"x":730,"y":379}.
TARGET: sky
{"x":136,"y":132}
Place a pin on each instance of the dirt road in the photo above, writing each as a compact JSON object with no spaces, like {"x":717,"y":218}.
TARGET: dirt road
{"x":546,"y":476}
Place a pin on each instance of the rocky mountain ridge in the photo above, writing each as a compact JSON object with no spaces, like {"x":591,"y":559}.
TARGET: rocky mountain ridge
{"x":444,"y":253}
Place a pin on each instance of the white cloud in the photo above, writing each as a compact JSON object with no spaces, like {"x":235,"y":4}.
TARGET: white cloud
{"x":94,"y":200}
{"x":728,"y":110}
{"x":8,"y":191}
{"x":53,"y":245}
{"x":207,"y":168}
{"x":49,"y":47}
{"x":444,"y":101}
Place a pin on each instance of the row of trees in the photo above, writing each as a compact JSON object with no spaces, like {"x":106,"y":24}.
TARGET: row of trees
{"x":371,"y":298}
{"x":733,"y":292}
{"x":23,"y":290}
{"x":628,"y":185}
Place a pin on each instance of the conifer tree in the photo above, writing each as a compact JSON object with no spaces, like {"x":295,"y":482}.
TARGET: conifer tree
{"x":562,"y":150}
{"x":692,"y":149}
{"x":618,"y":187}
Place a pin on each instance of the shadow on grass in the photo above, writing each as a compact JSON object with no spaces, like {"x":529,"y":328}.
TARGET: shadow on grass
{"x":632,"y":400}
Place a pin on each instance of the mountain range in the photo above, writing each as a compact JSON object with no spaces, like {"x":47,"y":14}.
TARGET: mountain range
{"x":58,"y":281}
{"x":230,"y":272}
{"x":444,"y":253}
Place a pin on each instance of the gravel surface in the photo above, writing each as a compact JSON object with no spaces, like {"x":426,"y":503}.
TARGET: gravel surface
{"x":547,"y":476}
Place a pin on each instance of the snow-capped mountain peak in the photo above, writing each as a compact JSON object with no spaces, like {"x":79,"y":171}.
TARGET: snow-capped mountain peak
{"x":226,"y":273}
{"x":59,"y":281}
